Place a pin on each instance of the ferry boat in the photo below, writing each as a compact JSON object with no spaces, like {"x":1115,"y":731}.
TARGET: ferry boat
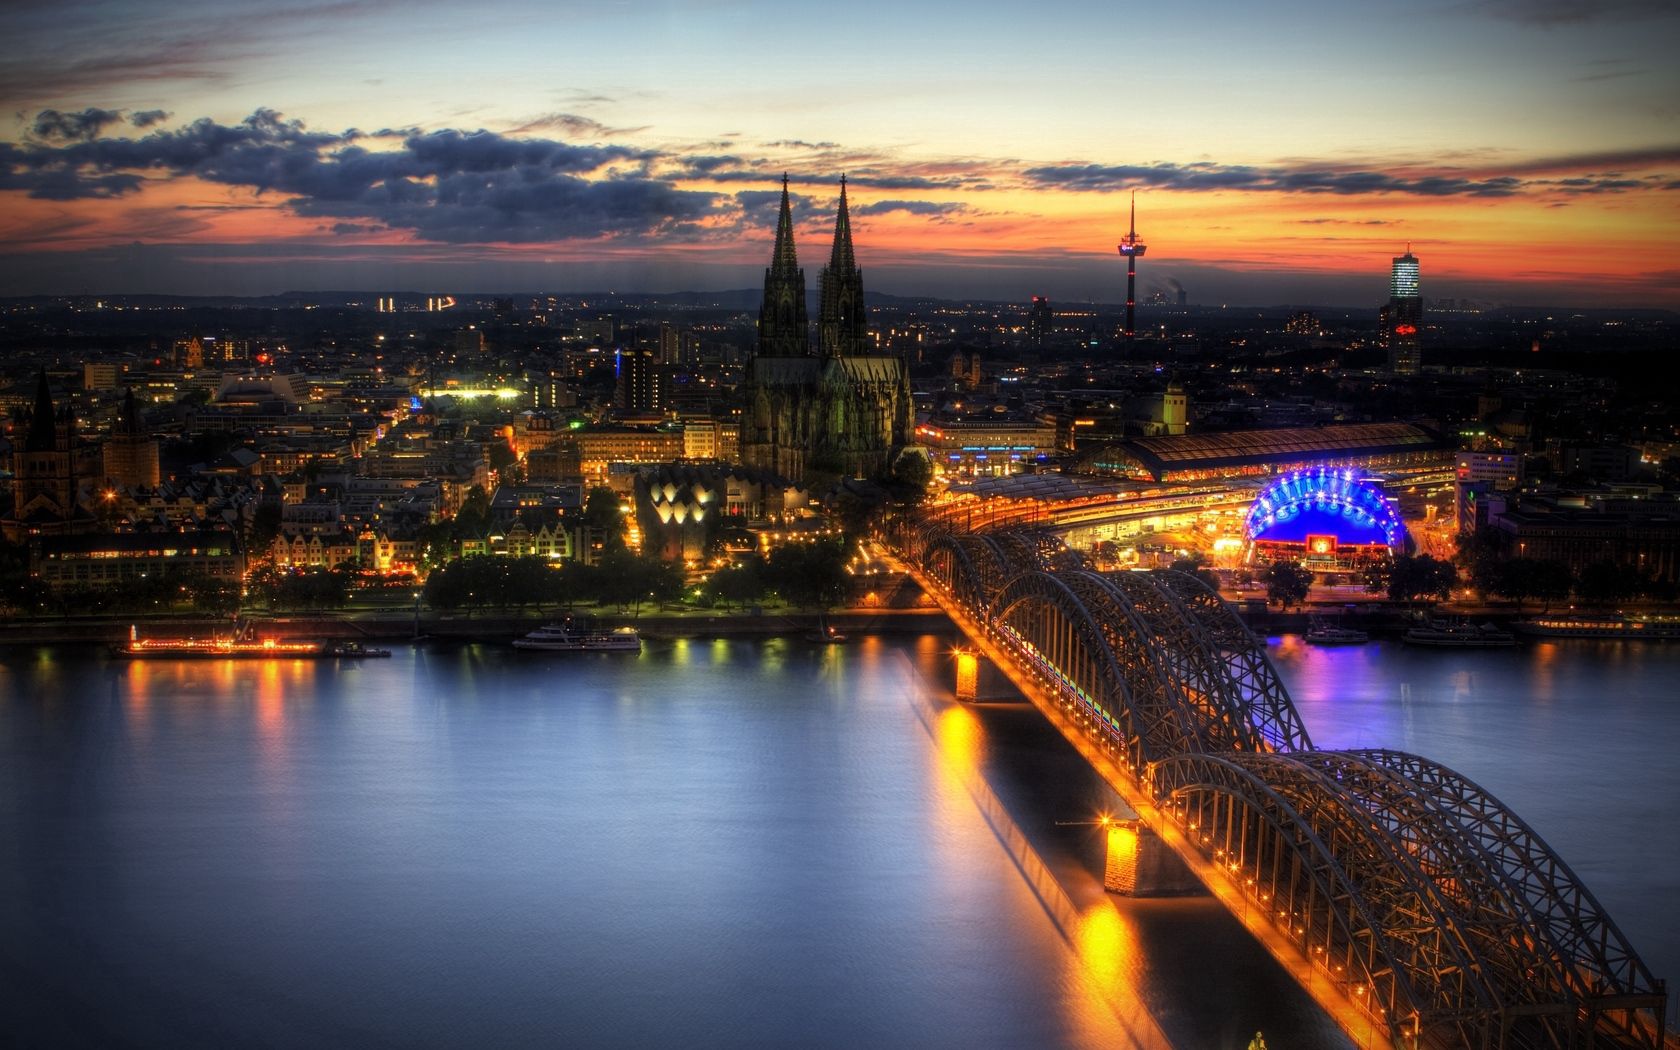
{"x":1446,"y":634}
{"x":572,"y":638}
{"x":1611,"y":628}
{"x":241,"y":644}
{"x":1325,"y":632}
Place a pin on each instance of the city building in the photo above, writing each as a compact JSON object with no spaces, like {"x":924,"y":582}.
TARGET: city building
{"x":641,"y":386}
{"x":842,"y":412}
{"x":1040,"y":320}
{"x":1326,"y":520}
{"x":46,"y":473}
{"x":63,"y":562}
{"x":1233,"y":453}
{"x":1405,"y":315}
{"x":983,"y":448}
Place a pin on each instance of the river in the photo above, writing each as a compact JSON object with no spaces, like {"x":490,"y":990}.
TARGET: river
{"x":712,"y":844}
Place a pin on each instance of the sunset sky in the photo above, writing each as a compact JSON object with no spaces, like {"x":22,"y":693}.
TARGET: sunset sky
{"x":1529,"y":150}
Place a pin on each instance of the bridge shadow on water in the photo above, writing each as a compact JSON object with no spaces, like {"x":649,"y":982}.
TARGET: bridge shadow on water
{"x":1174,"y":971}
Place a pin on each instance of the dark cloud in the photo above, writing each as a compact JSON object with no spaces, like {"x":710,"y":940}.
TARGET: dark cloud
{"x":573,"y":125}
{"x":145,"y":118}
{"x":453,"y":186}
{"x":1345,"y":222}
{"x":54,"y":126}
{"x":1206,"y":176}
{"x":762,"y":208}
{"x":800,"y":144}
{"x":928,"y":208}
{"x":1568,"y":12}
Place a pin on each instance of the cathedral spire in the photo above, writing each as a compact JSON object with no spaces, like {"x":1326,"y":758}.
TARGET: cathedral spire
{"x":843,"y":261}
{"x":784,"y":261}
{"x":783,"y":324}
{"x":842,"y":323}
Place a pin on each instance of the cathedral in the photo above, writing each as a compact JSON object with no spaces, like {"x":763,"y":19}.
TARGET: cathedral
{"x":841,"y":411}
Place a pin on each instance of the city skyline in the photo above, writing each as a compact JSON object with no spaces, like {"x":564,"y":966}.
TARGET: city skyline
{"x":1526,"y":150}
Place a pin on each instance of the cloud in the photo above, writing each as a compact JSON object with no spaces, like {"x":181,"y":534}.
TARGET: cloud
{"x":145,"y":118}
{"x":54,"y":126}
{"x":1568,"y":12}
{"x":1345,"y":222}
{"x":450,"y":185}
{"x":926,"y":208}
{"x":1207,"y":176}
{"x":1583,"y":173}
{"x":573,"y":125}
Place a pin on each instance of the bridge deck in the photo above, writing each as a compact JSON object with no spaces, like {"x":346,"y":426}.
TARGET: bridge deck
{"x":1352,"y":1019}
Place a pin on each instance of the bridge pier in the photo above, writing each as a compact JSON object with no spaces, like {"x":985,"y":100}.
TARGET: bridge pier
{"x":968,"y":673}
{"x":1139,"y":864}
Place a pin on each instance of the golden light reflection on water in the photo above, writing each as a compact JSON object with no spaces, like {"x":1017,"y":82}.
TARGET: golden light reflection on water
{"x":1101,"y":1001}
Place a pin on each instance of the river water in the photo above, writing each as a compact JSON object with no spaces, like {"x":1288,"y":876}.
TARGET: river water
{"x":713,"y":844}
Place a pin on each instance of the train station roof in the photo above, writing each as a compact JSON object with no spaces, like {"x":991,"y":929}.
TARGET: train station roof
{"x":1181,"y":453}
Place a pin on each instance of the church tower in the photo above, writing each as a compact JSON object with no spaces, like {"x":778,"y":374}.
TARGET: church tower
{"x":783,"y":324}
{"x":130,"y":454}
{"x":43,"y":470}
{"x":842,"y":323}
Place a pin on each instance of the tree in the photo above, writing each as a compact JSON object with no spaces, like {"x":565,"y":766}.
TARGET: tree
{"x":1287,"y":583}
{"x":1607,"y":583}
{"x":1420,"y":578}
{"x":1523,"y":578}
{"x":473,"y":519}
{"x":811,"y":575}
{"x":1195,"y":564}
{"x":602,"y":514}
{"x":738,"y":584}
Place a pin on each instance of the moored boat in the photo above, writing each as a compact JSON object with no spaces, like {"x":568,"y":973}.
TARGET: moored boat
{"x":241,"y":644}
{"x":570,"y":637}
{"x":1611,"y":628}
{"x":1325,"y":632}
{"x":1447,"y":634}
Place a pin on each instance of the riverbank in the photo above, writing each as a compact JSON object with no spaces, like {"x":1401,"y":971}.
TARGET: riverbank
{"x":460,"y":628}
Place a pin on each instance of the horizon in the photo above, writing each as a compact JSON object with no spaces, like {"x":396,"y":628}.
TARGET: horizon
{"x":1524,"y":149}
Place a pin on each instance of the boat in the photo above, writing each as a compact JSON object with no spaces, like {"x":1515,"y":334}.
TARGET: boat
{"x":352,"y":649}
{"x":1610,"y":628}
{"x":571,"y":637}
{"x":241,"y":644}
{"x":1450,"y":634}
{"x":1326,"y":632}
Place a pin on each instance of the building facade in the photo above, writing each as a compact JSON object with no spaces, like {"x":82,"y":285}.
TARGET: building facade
{"x":1405,"y":315}
{"x":840,"y":412}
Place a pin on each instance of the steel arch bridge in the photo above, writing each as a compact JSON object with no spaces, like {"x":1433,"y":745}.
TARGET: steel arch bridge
{"x":1416,"y":907}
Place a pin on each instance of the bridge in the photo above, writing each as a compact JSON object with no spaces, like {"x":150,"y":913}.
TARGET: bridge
{"x":1418,"y":910}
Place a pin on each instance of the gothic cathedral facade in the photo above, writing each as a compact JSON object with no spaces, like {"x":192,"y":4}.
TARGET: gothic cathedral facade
{"x":840,"y":411}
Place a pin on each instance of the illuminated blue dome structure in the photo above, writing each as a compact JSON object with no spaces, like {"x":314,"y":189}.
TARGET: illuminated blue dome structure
{"x":1324,"y":518}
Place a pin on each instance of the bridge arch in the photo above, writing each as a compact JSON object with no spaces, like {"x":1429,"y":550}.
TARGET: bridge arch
{"x":1254,"y":683}
{"x":1590,"y":959}
{"x":1059,"y":625}
{"x":1295,"y":868}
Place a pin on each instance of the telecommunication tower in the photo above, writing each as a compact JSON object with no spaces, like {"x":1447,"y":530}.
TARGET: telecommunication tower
{"x":1131,"y":248}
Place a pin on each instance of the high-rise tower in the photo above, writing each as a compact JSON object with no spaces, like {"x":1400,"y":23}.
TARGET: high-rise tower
{"x":842,"y":322}
{"x":783,"y":325}
{"x":1132,"y":249}
{"x":1405,"y":314}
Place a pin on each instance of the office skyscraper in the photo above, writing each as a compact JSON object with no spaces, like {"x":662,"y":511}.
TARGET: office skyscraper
{"x":1404,"y":315}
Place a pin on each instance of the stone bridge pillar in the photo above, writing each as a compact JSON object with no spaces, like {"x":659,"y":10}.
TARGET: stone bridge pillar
{"x":1139,"y":864}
